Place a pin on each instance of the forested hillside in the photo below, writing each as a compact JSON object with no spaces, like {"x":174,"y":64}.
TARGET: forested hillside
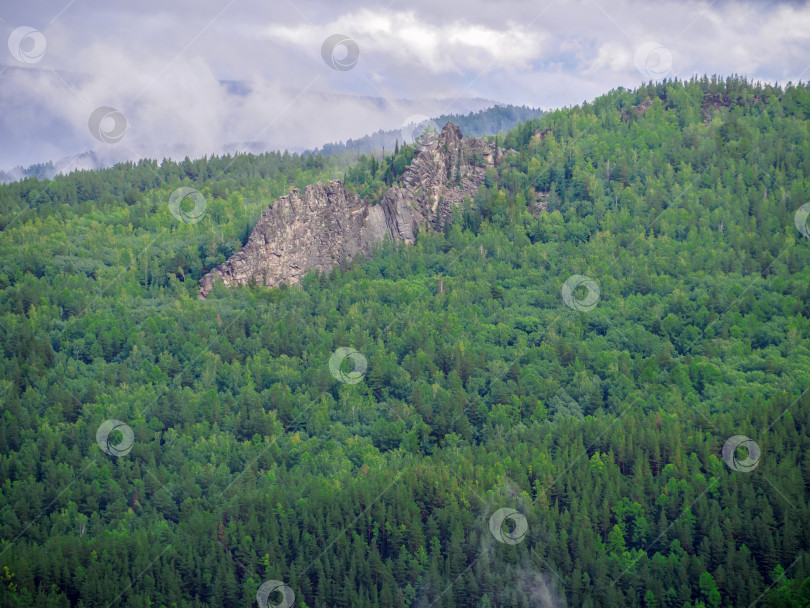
{"x":627,"y":293}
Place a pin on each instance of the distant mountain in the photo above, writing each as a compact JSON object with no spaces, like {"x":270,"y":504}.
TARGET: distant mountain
{"x":490,"y":120}
{"x":242,"y":117}
{"x":475,"y":124}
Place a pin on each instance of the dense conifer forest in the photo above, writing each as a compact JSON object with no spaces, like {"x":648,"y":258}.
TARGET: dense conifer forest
{"x":547,"y":385}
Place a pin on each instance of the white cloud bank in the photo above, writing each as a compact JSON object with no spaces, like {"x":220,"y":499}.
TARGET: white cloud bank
{"x":163,"y":66}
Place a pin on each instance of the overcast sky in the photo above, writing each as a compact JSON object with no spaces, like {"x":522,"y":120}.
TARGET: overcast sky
{"x":161,"y":65}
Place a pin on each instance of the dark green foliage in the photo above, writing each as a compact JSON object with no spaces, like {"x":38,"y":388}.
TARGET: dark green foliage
{"x":370,"y":177}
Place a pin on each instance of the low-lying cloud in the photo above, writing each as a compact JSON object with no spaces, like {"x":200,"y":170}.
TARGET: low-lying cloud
{"x":192,"y":78}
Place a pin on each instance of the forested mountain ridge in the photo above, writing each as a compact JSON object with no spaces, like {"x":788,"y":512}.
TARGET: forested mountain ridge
{"x":595,"y":410}
{"x":329,"y":223}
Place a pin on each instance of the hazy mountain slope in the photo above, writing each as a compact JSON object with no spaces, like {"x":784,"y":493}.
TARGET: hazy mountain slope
{"x":474,"y":124}
{"x":490,"y":119}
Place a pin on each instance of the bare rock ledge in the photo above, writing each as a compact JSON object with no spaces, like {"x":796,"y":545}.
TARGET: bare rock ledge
{"x":327,"y":222}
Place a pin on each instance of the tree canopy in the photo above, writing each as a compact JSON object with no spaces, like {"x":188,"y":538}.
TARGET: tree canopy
{"x":627,"y":292}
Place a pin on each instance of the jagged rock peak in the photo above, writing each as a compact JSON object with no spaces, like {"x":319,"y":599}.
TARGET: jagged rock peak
{"x":327,"y":222}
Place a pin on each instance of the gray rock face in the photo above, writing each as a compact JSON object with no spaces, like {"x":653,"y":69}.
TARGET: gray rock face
{"x":317,"y":228}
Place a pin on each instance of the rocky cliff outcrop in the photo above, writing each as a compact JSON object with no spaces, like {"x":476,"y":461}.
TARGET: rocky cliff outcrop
{"x":317,"y":228}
